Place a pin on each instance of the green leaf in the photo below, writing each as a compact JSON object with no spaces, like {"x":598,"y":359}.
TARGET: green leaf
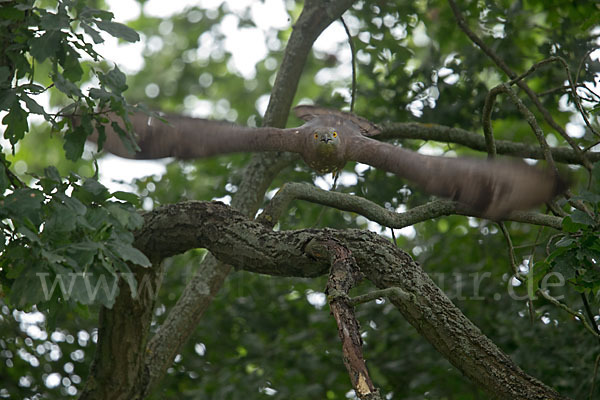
{"x":130,"y":145}
{"x":115,"y":80}
{"x":97,"y":217}
{"x":583,"y":218}
{"x":99,"y":93}
{"x":95,"y":35}
{"x":129,"y":253}
{"x":129,"y":197}
{"x":88,"y":12}
{"x":66,"y":86}
{"x":74,"y":142}
{"x":52,"y":173}
{"x":16,"y":123}
{"x":590,"y":197}
{"x":96,"y":288}
{"x":118,"y":30}
{"x":91,"y":191}
{"x":120,"y":213}
{"x":26,"y":289}
{"x":7,"y":99}
{"x":570,"y":226}
{"x":72,"y":203}
{"x":565,"y":265}
{"x":5,"y":74}
{"x":4,"y":181}
{"x":33,"y":106}
{"x":52,"y":21}
{"x":46,"y":45}
{"x":565,"y":241}
{"x":72,"y":68}
{"x":11,"y":13}
{"x":32,"y":88}
{"x":83,"y":254}
{"x":62,"y":219}
{"x":30,"y":235}
{"x":23,"y":204}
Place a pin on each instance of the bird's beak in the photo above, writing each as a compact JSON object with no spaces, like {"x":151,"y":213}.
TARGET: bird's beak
{"x":326,"y":138}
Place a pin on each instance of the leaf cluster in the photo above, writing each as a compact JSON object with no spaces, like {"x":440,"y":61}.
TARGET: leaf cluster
{"x":576,"y":254}
{"x":62,"y":229}
{"x":83,"y":238}
{"x":32,"y":36}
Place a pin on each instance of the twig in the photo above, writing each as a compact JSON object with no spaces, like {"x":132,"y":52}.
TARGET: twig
{"x":486,"y":119}
{"x":390,"y":293}
{"x":564,"y":307}
{"x":572,"y":84}
{"x":532,"y":121}
{"x":511,"y":252}
{"x":594,"y":377}
{"x":531,"y":268}
{"x":353,"y":52}
{"x":14,"y":179}
{"x":590,"y":314}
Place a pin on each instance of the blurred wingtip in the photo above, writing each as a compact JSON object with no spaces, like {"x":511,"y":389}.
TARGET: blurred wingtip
{"x":562,"y":182}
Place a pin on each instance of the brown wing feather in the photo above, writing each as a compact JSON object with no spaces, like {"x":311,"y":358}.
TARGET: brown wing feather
{"x":188,"y":138}
{"x":493,"y":188}
{"x":307,"y":112}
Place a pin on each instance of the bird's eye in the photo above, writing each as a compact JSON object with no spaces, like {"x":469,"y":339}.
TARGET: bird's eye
{"x":334,"y":134}
{"x":316,"y":135}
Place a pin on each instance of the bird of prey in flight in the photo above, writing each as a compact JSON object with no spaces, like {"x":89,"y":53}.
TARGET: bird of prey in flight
{"x":330,"y":138}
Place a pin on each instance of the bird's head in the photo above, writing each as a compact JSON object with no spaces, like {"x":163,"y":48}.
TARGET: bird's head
{"x":326,"y":154}
{"x":325,"y":137}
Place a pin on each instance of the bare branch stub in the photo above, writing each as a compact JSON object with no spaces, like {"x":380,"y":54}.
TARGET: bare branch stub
{"x":344,"y":275}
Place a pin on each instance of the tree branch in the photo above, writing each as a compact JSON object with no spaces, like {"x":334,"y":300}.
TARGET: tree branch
{"x":279,"y":204}
{"x":234,"y":239}
{"x":441,"y":133}
{"x":343,"y":276}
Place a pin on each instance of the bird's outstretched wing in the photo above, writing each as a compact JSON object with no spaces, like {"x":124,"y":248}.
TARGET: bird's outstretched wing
{"x":307,"y":112}
{"x":492,"y":188}
{"x":189,"y":138}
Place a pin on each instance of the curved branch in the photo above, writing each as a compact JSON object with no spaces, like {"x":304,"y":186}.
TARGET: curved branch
{"x":234,"y":239}
{"x":441,"y":133}
{"x":304,"y":191}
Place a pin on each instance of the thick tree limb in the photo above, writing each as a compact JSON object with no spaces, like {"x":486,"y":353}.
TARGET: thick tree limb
{"x":249,"y":245}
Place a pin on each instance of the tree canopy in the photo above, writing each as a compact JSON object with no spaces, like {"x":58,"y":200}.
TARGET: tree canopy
{"x":155,"y":290}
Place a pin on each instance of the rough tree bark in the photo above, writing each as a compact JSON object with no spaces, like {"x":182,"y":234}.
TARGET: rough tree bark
{"x":251,"y":246}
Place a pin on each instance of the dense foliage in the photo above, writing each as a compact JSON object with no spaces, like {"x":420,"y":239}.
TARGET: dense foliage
{"x":271,"y":337}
